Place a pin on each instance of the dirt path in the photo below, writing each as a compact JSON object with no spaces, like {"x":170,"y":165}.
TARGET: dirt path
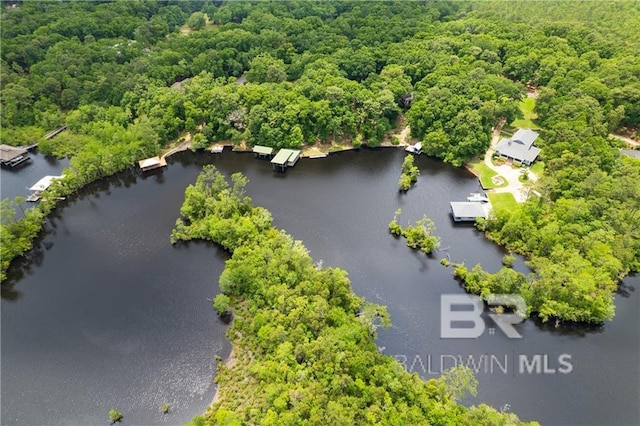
{"x":404,"y":134}
{"x":629,"y":141}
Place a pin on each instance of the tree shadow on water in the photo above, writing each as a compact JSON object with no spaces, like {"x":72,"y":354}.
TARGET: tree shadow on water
{"x":624,"y":289}
{"x":567,"y":328}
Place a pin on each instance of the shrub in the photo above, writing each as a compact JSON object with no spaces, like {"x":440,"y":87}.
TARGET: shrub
{"x":115,"y":416}
{"x":221,"y":304}
{"x":508,"y":260}
{"x":395,"y":228}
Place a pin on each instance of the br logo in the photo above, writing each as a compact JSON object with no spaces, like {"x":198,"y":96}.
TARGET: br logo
{"x":454,"y":322}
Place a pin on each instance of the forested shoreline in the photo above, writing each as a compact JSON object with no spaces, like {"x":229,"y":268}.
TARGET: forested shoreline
{"x":319,"y":72}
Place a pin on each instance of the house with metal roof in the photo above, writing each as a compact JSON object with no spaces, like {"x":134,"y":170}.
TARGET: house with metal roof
{"x":519,"y":147}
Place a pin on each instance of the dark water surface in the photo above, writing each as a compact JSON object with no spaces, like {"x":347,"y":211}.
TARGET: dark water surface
{"x":14,"y":182}
{"x":110,"y":315}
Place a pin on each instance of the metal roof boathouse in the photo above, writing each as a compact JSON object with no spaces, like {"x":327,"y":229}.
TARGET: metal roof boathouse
{"x":12,"y":156}
{"x":152,"y":163}
{"x":469,"y":211}
{"x":285,"y":158}
{"x":263,"y":151}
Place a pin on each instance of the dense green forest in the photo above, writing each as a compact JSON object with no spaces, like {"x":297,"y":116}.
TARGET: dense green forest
{"x":303,"y":342}
{"x":318,"y":72}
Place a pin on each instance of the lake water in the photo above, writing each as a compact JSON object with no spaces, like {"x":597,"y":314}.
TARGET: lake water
{"x":107,"y":314}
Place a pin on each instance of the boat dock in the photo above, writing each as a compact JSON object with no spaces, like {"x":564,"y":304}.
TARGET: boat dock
{"x":262,"y":151}
{"x":152,"y":163}
{"x":285,"y":158}
{"x":414,"y":149}
{"x":12,"y":156}
{"x":477,"y":197}
{"x":41,"y":186}
{"x":469,"y":211}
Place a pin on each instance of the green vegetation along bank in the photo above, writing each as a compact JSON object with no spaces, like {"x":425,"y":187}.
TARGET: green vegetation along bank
{"x":318,"y":72}
{"x":303,"y":342}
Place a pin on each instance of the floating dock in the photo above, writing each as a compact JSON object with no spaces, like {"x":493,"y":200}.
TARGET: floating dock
{"x":414,"y":149}
{"x":152,"y":163}
{"x":477,"y":197}
{"x":285,"y":158}
{"x":469,"y":211}
{"x":34,"y":197}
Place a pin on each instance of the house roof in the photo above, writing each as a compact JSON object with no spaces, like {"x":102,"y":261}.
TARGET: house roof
{"x":525,"y":136}
{"x":517,"y":151}
{"x":8,"y":153}
{"x":44,"y":183}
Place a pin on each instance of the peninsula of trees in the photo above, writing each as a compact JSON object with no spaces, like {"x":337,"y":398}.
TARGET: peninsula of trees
{"x":303,"y":342}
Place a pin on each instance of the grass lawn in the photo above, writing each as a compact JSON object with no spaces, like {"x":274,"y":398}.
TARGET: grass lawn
{"x":526,"y":106}
{"x":538,"y":168}
{"x":486,"y":175}
{"x":502,"y":201}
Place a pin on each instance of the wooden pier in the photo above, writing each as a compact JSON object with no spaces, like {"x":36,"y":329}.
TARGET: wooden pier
{"x":53,"y":133}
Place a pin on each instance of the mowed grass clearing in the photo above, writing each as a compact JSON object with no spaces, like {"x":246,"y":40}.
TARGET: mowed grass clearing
{"x":485,"y":174}
{"x":538,"y":168}
{"x":527,"y":106}
{"x":502,"y":201}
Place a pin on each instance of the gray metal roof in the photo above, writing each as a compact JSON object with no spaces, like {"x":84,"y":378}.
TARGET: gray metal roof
{"x":469,"y":209}
{"x":518,"y":151}
{"x":525,"y":136}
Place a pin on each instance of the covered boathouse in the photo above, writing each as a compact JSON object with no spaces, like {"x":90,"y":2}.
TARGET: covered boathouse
{"x":263,"y":151}
{"x":12,"y":156}
{"x":285,"y":158}
{"x":469,"y":211}
{"x":152,"y":163}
